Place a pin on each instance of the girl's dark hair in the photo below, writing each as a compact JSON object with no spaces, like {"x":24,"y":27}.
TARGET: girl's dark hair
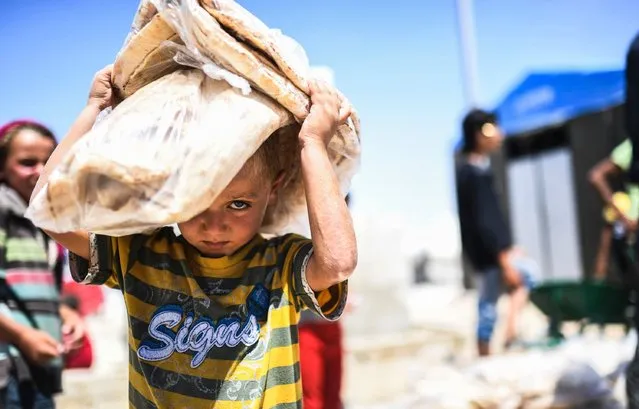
{"x":10,"y":130}
{"x":472,"y":123}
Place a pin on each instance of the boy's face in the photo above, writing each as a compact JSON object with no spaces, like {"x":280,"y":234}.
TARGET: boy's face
{"x":234,"y":218}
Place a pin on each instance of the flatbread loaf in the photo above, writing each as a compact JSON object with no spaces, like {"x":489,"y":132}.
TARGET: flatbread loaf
{"x":146,"y":11}
{"x":142,"y":167}
{"x":221,"y":47}
{"x":239,"y":42}
{"x":245,"y":26}
{"x":144,"y":59}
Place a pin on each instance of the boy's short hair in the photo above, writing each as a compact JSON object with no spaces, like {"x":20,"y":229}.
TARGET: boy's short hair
{"x":273,"y":155}
{"x":473,"y":123}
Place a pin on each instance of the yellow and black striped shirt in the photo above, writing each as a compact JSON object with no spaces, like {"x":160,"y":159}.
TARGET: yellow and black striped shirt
{"x":211,"y":332}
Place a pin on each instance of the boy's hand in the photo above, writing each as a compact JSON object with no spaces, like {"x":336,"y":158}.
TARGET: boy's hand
{"x":328,"y":111}
{"x":101,"y":94}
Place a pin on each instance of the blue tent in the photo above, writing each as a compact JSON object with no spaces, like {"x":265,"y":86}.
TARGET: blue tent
{"x":547,"y":99}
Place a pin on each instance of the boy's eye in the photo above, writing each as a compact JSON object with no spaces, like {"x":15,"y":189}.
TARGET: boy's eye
{"x":28,"y":162}
{"x":239,"y":205}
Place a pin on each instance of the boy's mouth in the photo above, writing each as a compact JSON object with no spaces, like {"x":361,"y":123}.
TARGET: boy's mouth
{"x":215,"y":245}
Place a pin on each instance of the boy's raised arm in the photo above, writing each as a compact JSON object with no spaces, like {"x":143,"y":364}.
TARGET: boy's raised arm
{"x":334,"y":245}
{"x":100,"y":97}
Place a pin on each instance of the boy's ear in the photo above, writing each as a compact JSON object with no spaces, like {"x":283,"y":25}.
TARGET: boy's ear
{"x":275,"y":187}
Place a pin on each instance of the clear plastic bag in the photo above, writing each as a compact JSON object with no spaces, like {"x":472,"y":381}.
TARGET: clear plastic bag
{"x":196,"y":103}
{"x":161,"y":157}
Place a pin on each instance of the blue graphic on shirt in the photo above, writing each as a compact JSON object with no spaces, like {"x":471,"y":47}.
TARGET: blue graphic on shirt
{"x":202,"y":334}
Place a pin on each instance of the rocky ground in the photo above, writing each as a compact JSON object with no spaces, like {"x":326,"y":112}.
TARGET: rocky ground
{"x":399,"y":368}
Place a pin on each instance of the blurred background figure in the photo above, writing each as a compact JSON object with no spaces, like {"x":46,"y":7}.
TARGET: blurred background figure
{"x":35,"y":329}
{"x":321,"y":360}
{"x":632,"y":104}
{"x":486,"y":238}
{"x":620,"y":211}
{"x":632,"y":128}
{"x":82,"y":357}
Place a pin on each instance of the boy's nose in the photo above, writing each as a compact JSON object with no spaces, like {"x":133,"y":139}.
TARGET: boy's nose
{"x":215,"y":221}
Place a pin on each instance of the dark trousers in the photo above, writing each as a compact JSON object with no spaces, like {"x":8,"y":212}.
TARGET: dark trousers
{"x":632,"y":376}
{"x":24,"y":395}
{"x":632,"y":372}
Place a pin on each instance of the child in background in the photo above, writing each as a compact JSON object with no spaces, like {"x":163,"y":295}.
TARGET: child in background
{"x":321,"y":359}
{"x":82,"y":357}
{"x":35,"y":330}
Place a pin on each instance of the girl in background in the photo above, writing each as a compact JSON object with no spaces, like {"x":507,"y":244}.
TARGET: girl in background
{"x":36,"y":330}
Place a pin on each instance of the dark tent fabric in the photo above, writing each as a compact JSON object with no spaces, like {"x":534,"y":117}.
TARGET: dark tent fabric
{"x":632,"y":103}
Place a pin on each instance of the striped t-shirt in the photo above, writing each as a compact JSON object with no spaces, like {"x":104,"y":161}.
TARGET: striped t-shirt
{"x":30,"y":275}
{"x":211,"y":332}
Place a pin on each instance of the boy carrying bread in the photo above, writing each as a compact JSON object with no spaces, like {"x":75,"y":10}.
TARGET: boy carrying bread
{"x":213,"y":306}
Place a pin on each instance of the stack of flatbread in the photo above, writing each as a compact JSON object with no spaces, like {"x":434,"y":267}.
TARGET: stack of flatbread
{"x":202,"y":85}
